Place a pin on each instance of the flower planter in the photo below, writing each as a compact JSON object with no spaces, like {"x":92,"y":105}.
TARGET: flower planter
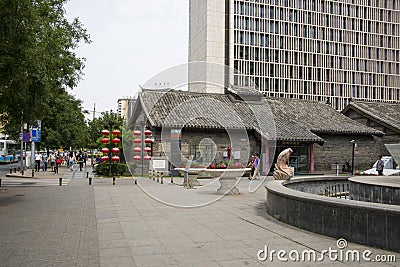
{"x":227,"y":178}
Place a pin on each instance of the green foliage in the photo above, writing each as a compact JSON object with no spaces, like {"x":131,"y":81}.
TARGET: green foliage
{"x":118,"y":169}
{"x":37,"y":60}
{"x":64,"y":124}
{"x":101,"y":123}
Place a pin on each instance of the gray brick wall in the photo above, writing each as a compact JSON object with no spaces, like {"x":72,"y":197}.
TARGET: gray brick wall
{"x":336,"y":148}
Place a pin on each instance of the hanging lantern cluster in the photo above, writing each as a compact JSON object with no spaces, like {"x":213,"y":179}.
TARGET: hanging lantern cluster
{"x":147,"y":141}
{"x":115,"y":141}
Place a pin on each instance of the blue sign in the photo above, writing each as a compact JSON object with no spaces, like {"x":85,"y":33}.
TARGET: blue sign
{"x":35,"y":135}
{"x":36,"y":131}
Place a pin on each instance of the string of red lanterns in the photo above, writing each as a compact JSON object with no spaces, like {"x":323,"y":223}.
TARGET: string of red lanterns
{"x":138,"y":141}
{"x":115,"y":141}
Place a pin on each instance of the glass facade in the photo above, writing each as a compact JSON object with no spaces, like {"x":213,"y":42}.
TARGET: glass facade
{"x":318,"y":49}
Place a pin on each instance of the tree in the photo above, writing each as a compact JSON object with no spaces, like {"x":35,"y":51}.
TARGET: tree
{"x":101,"y":123}
{"x":64,"y":124}
{"x":37,"y":58}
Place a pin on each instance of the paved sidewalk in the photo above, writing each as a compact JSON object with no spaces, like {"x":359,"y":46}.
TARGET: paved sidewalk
{"x":49,"y":226}
{"x":121,"y":225}
{"x":137,"y":230}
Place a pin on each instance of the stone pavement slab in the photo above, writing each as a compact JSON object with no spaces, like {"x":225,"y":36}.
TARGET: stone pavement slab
{"x":48,"y":226}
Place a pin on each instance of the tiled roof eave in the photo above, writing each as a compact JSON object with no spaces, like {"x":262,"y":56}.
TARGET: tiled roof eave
{"x":371,"y":115}
{"x":306,"y":140}
{"x":144,"y":108}
{"x":344,"y":132}
{"x":202,"y":127}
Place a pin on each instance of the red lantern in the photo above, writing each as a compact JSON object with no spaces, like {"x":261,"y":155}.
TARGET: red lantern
{"x":115,"y":158}
{"x":115,"y":150}
{"x":137,"y":149}
{"x":136,"y":158}
{"x":116,"y":141}
{"x":147,"y":149}
{"x":116,"y":132}
{"x":104,"y":158}
{"x":105,"y":140}
{"x":147,"y":158}
{"x":147,"y":132}
{"x":137,"y":141}
{"x":105,"y":132}
{"x":105,"y":150}
{"x":136,"y":132}
{"x":148,"y":140}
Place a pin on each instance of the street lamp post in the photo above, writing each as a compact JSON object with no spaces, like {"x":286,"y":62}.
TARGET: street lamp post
{"x":352,"y":156}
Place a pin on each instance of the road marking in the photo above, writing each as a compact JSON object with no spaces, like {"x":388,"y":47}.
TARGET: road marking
{"x":23,"y":182}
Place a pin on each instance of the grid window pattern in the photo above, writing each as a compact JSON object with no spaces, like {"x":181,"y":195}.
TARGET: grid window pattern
{"x":318,"y":49}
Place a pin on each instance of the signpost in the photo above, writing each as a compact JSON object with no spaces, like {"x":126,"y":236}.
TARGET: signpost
{"x":35,"y":134}
{"x":36,"y":131}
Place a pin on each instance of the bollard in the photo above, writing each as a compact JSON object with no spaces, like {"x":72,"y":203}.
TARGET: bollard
{"x":60,"y":181}
{"x":135,"y":181}
{"x":162,"y":178}
{"x":10,"y":171}
{"x":15,"y":170}
{"x":113,"y":180}
{"x":87,"y":174}
{"x":154,"y":175}
{"x":150,"y":174}
{"x":158,"y":177}
{"x":172,"y":180}
{"x":22,"y":172}
{"x":0,"y":182}
{"x":90,"y":181}
{"x":33,"y":173}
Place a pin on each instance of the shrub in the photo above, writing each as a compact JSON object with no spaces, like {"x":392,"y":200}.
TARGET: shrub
{"x":118,"y":169}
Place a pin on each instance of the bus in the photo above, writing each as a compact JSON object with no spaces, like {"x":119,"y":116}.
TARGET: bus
{"x":9,"y":151}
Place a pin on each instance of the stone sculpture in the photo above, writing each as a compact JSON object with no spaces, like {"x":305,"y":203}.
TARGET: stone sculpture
{"x":282,"y":171}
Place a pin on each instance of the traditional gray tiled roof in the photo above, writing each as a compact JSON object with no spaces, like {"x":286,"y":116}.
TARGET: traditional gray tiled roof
{"x":384,"y":113}
{"x":319,"y":117}
{"x":274,"y":118}
{"x":244,"y":90}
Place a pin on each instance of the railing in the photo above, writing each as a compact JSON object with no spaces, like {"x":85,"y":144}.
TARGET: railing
{"x":337,"y":190}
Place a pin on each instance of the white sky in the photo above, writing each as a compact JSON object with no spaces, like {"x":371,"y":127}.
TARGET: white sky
{"x":132,"y":40}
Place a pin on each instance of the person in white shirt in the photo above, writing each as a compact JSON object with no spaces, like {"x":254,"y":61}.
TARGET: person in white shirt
{"x":38,"y":159}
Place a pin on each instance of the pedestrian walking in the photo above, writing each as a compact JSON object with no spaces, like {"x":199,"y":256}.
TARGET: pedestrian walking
{"x":52,"y":160}
{"x":380,"y":165}
{"x":57,"y":165}
{"x":38,"y":159}
{"x":256,"y":165}
{"x":251,"y":165}
{"x":44,"y":162}
{"x":79,"y":159}
{"x":71,"y":161}
{"x":84,"y":157}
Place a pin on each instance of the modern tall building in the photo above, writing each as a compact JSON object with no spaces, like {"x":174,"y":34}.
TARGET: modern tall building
{"x":125,"y":106}
{"x":307,"y":49}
